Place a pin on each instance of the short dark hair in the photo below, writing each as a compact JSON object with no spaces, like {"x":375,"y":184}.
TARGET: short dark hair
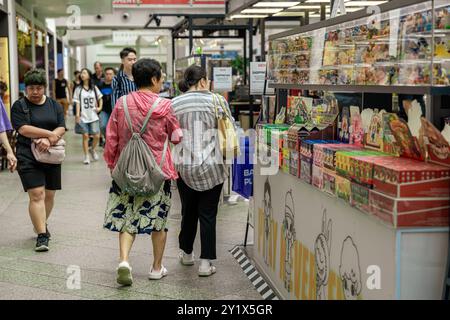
{"x":192,"y":77}
{"x":35,"y":77}
{"x":97,"y":62}
{"x":77,"y":72}
{"x":3,"y":86}
{"x":112,"y":69}
{"x":59,"y":70}
{"x":126,"y":51}
{"x":144,"y":71}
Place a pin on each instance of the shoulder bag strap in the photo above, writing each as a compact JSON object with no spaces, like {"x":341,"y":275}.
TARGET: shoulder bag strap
{"x":127,"y":114}
{"x":25,"y":109}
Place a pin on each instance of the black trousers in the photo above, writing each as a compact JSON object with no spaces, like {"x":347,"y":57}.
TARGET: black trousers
{"x":197,"y":206}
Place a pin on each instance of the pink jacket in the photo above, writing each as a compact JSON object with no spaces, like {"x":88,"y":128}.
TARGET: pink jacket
{"x":162,"y":124}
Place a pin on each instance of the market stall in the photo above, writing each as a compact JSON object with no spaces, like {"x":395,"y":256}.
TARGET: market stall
{"x":353,"y":202}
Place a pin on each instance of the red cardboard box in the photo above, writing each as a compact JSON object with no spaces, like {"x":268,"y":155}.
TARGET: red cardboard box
{"x":405,"y":178}
{"x":410,"y":212}
{"x":361,"y":169}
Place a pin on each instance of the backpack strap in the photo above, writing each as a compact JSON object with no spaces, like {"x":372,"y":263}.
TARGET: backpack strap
{"x":127,"y":114}
{"x":144,"y":127}
{"x":149,"y":114}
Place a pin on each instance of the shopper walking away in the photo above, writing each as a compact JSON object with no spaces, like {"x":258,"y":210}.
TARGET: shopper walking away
{"x":200,"y":166}
{"x":5,"y":126}
{"x":61,"y":92}
{"x":106,"y":90}
{"x":40,"y":119}
{"x":99,"y":76}
{"x":89,"y":104}
{"x":124,"y":83}
{"x":132,"y":215}
{"x":73,"y":86}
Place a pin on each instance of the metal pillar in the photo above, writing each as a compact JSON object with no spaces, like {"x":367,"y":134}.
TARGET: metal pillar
{"x":262,"y":30}
{"x":33,"y":38}
{"x":191,"y":36}
{"x":323,"y":12}
{"x":250,"y":38}
{"x":13,"y":53}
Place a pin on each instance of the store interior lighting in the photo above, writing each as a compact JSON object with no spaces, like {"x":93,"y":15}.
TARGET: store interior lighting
{"x":263,"y":10}
{"x":276,"y":4}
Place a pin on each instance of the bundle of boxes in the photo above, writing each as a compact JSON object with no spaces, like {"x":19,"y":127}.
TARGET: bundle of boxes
{"x":402,"y":192}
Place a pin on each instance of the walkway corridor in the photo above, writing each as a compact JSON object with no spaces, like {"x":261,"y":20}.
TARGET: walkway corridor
{"x":79,"y":240}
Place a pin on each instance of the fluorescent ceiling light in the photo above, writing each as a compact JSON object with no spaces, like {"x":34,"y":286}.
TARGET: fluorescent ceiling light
{"x":286,"y":4}
{"x":318,"y":1}
{"x":249,"y":16}
{"x":305,"y":7}
{"x":289,"y":14}
{"x":363,"y":3}
{"x":352,"y":9}
{"x":274,"y":10}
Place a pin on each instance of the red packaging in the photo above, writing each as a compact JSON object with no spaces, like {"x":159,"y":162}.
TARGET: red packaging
{"x":361,"y":169}
{"x":410,"y":212}
{"x":405,"y":178}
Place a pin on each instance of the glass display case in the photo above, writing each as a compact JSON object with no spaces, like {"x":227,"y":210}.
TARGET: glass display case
{"x":398,"y":47}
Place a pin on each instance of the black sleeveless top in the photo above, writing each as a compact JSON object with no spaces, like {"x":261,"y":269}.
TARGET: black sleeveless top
{"x":60,"y":88}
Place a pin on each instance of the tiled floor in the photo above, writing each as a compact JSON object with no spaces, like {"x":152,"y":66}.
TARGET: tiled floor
{"x":80,"y":241}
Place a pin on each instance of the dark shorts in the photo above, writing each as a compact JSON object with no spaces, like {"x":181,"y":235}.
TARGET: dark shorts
{"x":34,"y":174}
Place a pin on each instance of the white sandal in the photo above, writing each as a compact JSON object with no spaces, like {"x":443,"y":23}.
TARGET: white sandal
{"x":158,"y":275}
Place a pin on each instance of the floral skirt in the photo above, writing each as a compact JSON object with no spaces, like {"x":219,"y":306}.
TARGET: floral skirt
{"x":138,"y":215}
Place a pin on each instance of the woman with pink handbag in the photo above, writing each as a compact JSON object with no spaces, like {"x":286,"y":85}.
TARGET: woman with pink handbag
{"x":39,"y":120}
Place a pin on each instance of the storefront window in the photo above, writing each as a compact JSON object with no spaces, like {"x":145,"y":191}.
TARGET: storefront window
{"x":24,"y":49}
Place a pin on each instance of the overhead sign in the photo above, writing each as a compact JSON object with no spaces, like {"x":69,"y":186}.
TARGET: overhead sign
{"x":223,"y":79}
{"x":257,"y":77}
{"x":136,"y":3}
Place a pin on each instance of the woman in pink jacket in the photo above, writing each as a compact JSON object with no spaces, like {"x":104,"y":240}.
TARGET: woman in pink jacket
{"x":142,"y":215}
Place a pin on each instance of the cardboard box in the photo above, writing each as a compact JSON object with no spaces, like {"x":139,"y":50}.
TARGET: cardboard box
{"x":343,"y":188}
{"x":361,"y":169}
{"x":343,"y":163}
{"x":359,"y":197}
{"x":329,"y":160}
{"x":407,"y":178}
{"x":317,"y":177}
{"x":306,"y":169}
{"x":329,"y":182}
{"x":410,"y":212}
{"x":295,"y":164}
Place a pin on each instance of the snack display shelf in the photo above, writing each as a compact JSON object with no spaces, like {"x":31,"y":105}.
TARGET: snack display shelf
{"x":400,"y":89}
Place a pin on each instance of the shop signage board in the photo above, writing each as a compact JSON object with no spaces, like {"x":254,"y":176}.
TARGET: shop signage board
{"x":138,"y":3}
{"x":313,"y":246}
{"x":223,"y":79}
{"x":257,"y":77}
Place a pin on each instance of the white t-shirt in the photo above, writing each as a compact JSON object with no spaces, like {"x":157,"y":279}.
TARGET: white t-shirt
{"x":88,"y":103}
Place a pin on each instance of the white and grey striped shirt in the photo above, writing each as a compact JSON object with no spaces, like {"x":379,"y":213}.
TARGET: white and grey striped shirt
{"x":198,"y":158}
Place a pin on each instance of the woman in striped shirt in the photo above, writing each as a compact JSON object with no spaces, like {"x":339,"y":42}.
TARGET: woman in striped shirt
{"x":201,"y":167}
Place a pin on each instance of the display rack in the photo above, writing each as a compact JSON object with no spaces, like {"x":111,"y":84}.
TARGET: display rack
{"x":311,"y":229}
{"x":403,"y":50}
